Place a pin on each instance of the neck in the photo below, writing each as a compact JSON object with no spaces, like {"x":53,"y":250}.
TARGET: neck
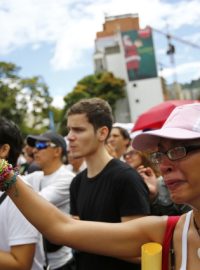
{"x":96,"y":163}
{"x":51,"y":168}
{"x":196,"y":220}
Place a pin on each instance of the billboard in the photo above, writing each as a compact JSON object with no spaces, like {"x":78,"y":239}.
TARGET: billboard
{"x":139,"y":54}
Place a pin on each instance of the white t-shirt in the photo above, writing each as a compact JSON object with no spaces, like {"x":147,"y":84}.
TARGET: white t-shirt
{"x":55,"y":189}
{"x":16,"y":230}
{"x":82,"y":167}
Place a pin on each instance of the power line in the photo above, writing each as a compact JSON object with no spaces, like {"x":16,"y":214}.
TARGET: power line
{"x":169,"y":36}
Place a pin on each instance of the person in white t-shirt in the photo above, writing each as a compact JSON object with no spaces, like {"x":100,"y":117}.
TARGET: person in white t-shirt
{"x":52,"y":183}
{"x":20,"y":243}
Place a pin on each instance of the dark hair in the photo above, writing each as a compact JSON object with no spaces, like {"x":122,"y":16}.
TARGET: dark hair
{"x":10,"y":134}
{"x":124,"y":133}
{"x":148,"y":163}
{"x":97,"y":111}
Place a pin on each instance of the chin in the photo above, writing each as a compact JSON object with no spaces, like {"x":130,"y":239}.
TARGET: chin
{"x":176,"y":198}
{"x":75,"y":156}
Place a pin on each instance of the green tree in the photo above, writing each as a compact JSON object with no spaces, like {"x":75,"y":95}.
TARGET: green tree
{"x":26,"y":101}
{"x":35,"y":92}
{"x":103,"y":85}
{"x":9,"y":90}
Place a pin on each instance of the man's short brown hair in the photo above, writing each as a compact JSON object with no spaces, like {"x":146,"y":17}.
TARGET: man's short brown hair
{"x":97,"y":111}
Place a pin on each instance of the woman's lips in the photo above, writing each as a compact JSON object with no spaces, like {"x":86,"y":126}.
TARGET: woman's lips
{"x":174,"y":184}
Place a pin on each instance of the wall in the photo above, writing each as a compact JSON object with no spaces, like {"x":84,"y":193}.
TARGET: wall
{"x":142,"y":95}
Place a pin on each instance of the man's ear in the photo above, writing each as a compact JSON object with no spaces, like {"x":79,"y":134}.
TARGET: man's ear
{"x":102,"y":133}
{"x":58,"y":151}
{"x":4,"y":150}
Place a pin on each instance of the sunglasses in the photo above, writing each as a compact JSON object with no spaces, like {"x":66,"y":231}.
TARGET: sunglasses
{"x":44,"y":145}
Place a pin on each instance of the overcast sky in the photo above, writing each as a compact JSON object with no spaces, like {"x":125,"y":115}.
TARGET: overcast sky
{"x":55,"y":38}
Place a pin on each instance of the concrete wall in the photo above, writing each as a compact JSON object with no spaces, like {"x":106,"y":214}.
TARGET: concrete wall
{"x":142,"y":95}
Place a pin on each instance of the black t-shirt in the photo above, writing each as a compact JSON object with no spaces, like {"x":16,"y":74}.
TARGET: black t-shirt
{"x":117,"y":191}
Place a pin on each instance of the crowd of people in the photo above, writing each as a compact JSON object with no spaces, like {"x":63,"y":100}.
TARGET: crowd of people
{"x":95,"y":196}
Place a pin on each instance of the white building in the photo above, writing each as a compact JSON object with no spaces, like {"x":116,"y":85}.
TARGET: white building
{"x":144,"y":88}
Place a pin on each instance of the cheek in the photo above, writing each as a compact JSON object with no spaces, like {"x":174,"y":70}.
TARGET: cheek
{"x":87,"y":141}
{"x":135,"y":162}
{"x":190,"y":168}
{"x":40,"y":155}
{"x":136,"y":159}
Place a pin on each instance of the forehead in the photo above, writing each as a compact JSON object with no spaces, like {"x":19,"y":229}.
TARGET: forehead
{"x":115,"y":131}
{"x":77,"y":119}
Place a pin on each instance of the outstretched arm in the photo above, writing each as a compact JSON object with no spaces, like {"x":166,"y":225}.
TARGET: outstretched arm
{"x":117,"y":240}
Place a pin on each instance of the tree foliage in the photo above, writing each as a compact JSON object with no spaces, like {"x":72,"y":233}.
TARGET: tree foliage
{"x":26,"y":101}
{"x":103,"y":85}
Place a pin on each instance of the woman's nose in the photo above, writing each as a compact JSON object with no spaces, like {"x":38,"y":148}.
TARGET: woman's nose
{"x":166,"y":165}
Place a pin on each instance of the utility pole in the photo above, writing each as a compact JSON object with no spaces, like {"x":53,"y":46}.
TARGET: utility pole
{"x":171,"y":51}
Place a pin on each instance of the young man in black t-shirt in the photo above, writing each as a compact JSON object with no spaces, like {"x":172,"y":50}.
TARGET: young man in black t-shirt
{"x":108,"y":190}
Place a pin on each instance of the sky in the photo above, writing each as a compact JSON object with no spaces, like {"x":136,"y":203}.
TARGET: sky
{"x":55,"y":38}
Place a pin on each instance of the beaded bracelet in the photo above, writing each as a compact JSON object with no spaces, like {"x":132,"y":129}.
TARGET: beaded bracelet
{"x":5,"y":171}
{"x":8,"y":183}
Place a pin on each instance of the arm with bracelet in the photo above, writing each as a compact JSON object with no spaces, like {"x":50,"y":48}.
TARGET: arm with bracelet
{"x":176,"y":150}
{"x":94,"y":237}
{"x":18,"y":236}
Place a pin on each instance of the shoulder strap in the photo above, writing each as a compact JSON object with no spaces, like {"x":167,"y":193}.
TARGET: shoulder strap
{"x":184,"y":240}
{"x":171,"y":223}
{"x":3,"y":196}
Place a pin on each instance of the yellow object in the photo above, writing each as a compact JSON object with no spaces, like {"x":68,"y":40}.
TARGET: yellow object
{"x":151,"y":256}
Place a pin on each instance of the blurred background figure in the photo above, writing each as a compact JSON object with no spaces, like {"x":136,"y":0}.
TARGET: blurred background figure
{"x":118,"y":142}
{"x":20,"y":244}
{"x":161,"y":203}
{"x":29,"y":165}
{"x":136,"y":158}
{"x":75,"y":165}
{"x":52,"y":183}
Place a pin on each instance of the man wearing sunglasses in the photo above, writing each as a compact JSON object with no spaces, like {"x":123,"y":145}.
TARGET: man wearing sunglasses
{"x":52,"y":182}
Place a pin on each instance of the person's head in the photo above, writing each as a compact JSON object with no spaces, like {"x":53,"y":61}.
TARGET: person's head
{"x":28,"y":153}
{"x":89,"y":122}
{"x":11,"y":141}
{"x":176,"y":148}
{"x":137,"y":158}
{"x":119,"y":139}
{"x":48,"y":148}
{"x":97,"y":111}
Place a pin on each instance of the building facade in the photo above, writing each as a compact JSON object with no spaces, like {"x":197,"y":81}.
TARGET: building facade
{"x":128,"y":52}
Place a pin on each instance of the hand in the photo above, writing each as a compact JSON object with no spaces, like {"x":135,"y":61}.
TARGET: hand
{"x":150,"y":179}
{"x":111,"y":150}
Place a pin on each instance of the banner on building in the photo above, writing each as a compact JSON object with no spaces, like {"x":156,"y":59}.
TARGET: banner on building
{"x":139,"y":54}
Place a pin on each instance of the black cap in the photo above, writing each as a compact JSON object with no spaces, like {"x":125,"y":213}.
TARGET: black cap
{"x":49,"y":136}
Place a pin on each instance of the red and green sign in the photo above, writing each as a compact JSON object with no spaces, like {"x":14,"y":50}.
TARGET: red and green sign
{"x":139,"y":54}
